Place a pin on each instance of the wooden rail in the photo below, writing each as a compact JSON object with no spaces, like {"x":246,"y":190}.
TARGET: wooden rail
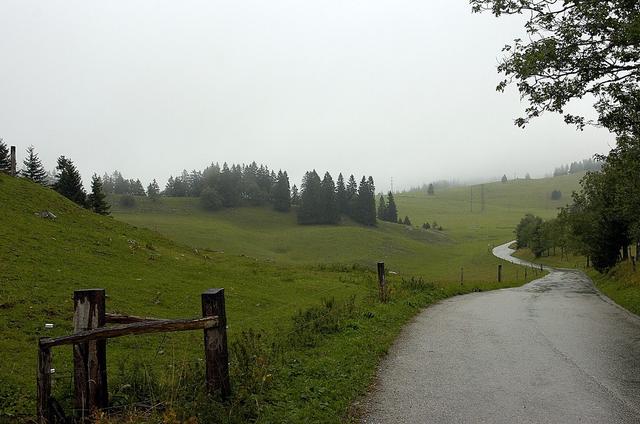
{"x":137,"y":328}
{"x":90,"y":357}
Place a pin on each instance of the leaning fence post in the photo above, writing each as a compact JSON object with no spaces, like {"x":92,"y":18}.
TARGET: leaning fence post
{"x":89,"y":359}
{"x":215,"y":343}
{"x":500,"y":273}
{"x":44,"y":385}
{"x":13,"y":161}
{"x":382,"y":283}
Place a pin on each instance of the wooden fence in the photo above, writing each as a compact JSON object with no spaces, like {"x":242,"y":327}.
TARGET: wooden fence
{"x":90,"y":349}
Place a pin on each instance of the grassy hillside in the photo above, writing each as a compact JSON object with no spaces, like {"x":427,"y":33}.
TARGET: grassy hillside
{"x":465,"y":242}
{"x":303,"y":359}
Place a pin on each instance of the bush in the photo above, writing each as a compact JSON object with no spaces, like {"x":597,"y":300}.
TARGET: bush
{"x":210,"y":199}
{"x":556,"y":195}
{"x":127,"y":201}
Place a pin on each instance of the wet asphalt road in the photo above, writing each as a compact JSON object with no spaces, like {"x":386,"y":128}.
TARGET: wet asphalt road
{"x":552,"y":351}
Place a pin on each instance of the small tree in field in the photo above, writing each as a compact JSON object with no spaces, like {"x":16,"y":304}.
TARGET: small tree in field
{"x":504,"y":179}
{"x":33,"y":169}
{"x":5,"y":159}
{"x":153,"y":190}
{"x":68,"y":181}
{"x":97,"y":199}
{"x":431,"y":190}
{"x":406,"y":221}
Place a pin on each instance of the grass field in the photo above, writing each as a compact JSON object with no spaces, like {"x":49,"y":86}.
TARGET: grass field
{"x":312,"y":358}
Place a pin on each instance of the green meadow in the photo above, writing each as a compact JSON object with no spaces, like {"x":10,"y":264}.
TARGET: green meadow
{"x":306,"y":330}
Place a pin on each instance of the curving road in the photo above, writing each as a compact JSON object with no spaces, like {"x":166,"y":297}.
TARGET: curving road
{"x":552,"y":351}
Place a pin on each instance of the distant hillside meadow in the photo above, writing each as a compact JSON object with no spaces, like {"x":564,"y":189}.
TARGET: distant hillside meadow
{"x":306,"y":328}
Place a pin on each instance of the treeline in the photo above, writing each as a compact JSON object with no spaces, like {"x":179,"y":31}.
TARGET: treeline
{"x":575,"y":167}
{"x":321,"y":201}
{"x":603,"y":221}
{"x":66,"y":180}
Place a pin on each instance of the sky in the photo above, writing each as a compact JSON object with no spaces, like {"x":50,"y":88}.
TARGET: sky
{"x":398,"y":89}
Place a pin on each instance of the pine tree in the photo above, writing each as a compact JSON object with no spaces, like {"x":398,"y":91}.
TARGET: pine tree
{"x":341,"y":195}
{"x":96,"y":200}
{"x":365,"y":211}
{"x":33,"y":169}
{"x":382,"y":209}
{"x":281,"y":193}
{"x":153,"y":190}
{"x":406,"y":221}
{"x":504,"y":178}
{"x":137,"y":189}
{"x":330,"y":212}
{"x":352,"y":197}
{"x":295,"y":195}
{"x":392,"y":209}
{"x":431,"y":190}
{"x":68,"y":181}
{"x":310,"y":210}
{"x":5,"y":158}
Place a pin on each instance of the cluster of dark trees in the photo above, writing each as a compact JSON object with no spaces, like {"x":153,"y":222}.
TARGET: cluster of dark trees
{"x":603,"y":221}
{"x":575,"y":167}
{"x":117,"y":184}
{"x":66,"y":181}
{"x":387,"y":210}
{"x":321,"y":201}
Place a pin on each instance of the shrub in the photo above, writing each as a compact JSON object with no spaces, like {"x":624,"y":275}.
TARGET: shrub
{"x":127,"y":201}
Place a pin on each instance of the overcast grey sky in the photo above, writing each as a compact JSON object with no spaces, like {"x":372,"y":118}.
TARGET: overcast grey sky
{"x":397,"y":88}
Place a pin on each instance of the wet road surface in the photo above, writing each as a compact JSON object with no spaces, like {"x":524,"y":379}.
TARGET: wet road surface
{"x":552,"y":351}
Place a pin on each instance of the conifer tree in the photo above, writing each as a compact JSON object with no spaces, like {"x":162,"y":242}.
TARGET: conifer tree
{"x":281,"y":193}
{"x":341,"y":195}
{"x":5,"y":158}
{"x":96,"y":200}
{"x":406,"y":221}
{"x":137,"y":189}
{"x":153,"y":190}
{"x":295,"y":195}
{"x":33,"y":169}
{"x":352,"y":197}
{"x":392,"y":210}
{"x":430,"y":190}
{"x":330,"y":212}
{"x":504,"y":178}
{"x":68,"y":181}
{"x":382,"y":209}
{"x":365,"y":212}
{"x":310,"y":210}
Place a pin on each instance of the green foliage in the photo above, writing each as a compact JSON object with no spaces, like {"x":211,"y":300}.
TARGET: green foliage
{"x":406,"y":221}
{"x":282,"y":193}
{"x":127,"y":201}
{"x":431,"y":190}
{"x":153,"y":190}
{"x":69,"y":182}
{"x":33,"y":169}
{"x":311,"y":325}
{"x":504,"y":179}
{"x":575,"y":49}
{"x":96,"y":201}
{"x":5,"y":157}
{"x":556,"y":195}
{"x":210,"y":199}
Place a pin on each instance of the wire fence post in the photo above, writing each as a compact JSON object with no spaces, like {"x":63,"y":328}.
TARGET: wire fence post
{"x":215,"y":343}
{"x":89,"y":359}
{"x":382,"y":283}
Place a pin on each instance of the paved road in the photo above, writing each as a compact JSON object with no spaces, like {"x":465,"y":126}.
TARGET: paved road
{"x":552,"y":351}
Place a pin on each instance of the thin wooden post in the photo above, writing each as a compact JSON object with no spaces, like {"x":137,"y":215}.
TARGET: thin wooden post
{"x":13,"y":161}
{"x":382,"y":283}
{"x":500,"y":273}
{"x":89,"y":359}
{"x":215,"y":343}
{"x":44,"y":385}
{"x":541,"y":268}
{"x":461,"y":275}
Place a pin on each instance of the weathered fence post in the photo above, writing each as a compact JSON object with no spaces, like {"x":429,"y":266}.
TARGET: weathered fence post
{"x":382,"y":283}
{"x":13,"y":161}
{"x":89,"y":359}
{"x":541,"y":268}
{"x":215,"y":343}
{"x":44,"y":385}
{"x":500,"y":273}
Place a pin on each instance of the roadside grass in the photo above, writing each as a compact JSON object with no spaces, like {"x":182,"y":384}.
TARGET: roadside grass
{"x":621,"y":284}
{"x":155,"y":378}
